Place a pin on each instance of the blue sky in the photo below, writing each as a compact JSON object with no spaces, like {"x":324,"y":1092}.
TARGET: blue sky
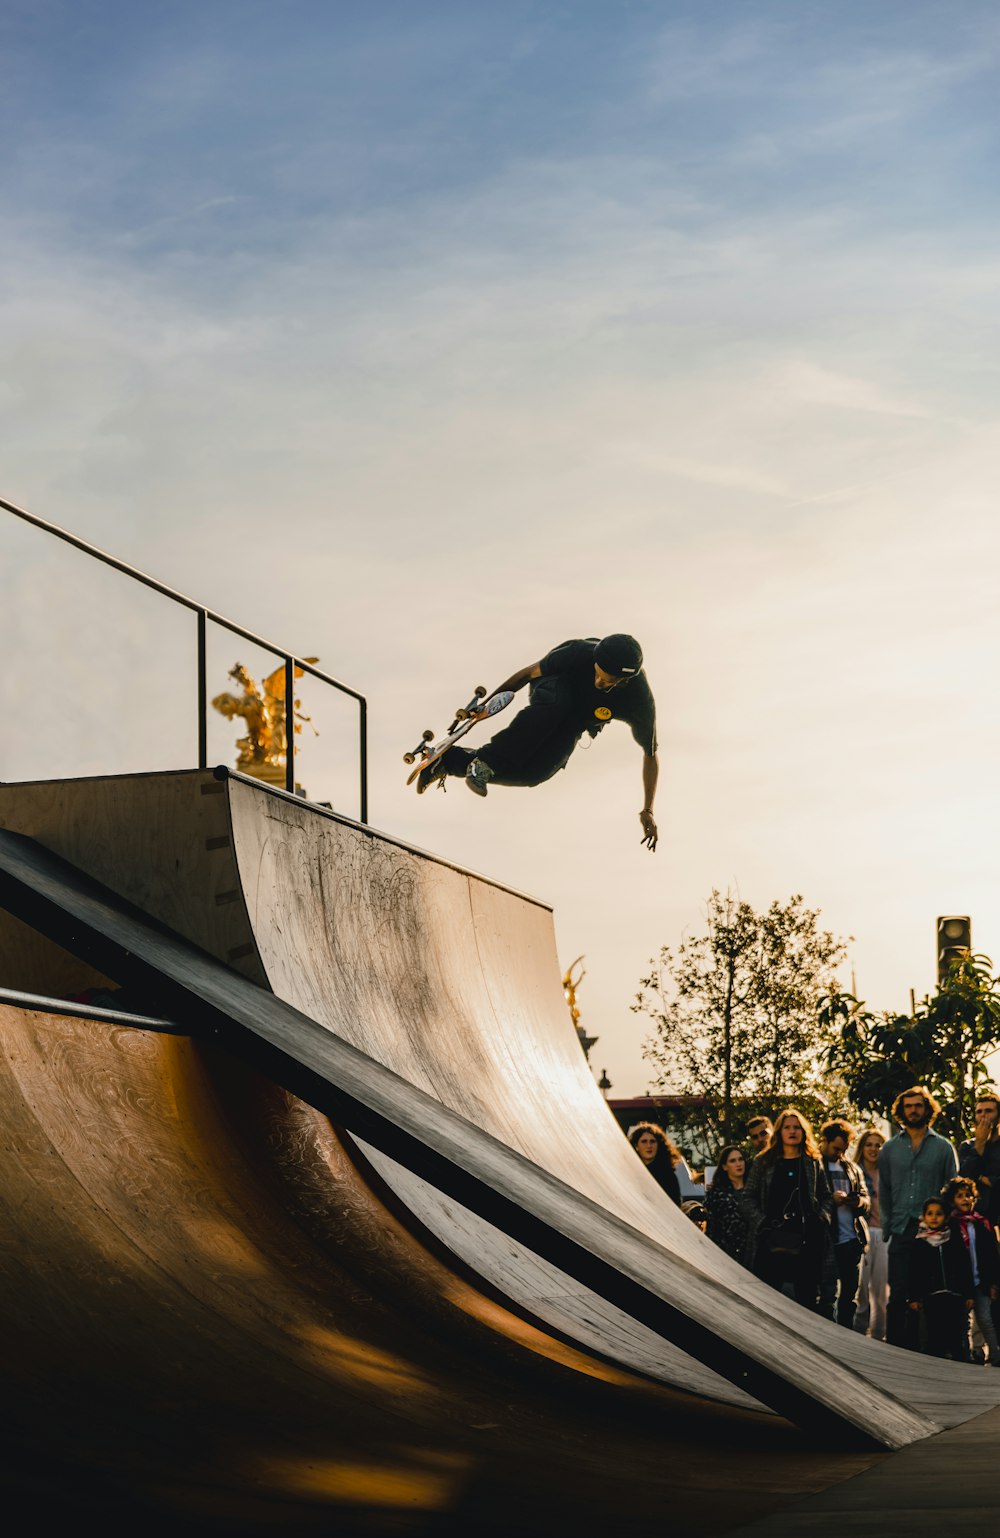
{"x":178,"y":126}
{"x":681,"y":319}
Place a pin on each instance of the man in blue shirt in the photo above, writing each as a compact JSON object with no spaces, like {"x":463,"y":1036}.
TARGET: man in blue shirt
{"x":913,"y":1165}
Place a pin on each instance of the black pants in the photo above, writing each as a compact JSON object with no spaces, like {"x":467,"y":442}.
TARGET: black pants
{"x":946,"y":1321}
{"x":901,"y":1323}
{"x":800,"y":1271}
{"x":839,"y":1281}
{"x":537,"y":743}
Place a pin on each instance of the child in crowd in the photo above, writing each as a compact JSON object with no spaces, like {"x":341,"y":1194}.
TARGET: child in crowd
{"x":940,"y":1282}
{"x":979,"y":1239}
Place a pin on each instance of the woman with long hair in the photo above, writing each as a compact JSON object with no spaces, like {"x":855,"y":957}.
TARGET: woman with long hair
{"x":658,"y":1154}
{"x":873,"y":1288}
{"x":730,"y":1223}
{"x":790,"y":1196}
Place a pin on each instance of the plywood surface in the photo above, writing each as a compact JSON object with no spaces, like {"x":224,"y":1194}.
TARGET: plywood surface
{"x":452,"y":984}
{"x":214,"y":1325}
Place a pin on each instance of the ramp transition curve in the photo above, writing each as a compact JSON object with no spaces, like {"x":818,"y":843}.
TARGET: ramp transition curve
{"x":324,"y":933}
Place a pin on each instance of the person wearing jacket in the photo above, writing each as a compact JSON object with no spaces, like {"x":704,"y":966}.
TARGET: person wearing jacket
{"x":979,"y":1158}
{"x":729,"y":1222}
{"x":913,"y":1165}
{"x":976,"y":1233}
{"x":873,"y":1289}
{"x":939,"y":1282}
{"x":848,"y":1233}
{"x":790,"y":1203}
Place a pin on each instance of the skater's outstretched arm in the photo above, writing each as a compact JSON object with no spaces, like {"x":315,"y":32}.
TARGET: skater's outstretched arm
{"x":650,"y":775}
{"x":520,"y":678}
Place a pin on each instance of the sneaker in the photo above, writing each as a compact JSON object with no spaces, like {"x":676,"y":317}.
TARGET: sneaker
{"x":427,"y":777}
{"x":478,"y":776}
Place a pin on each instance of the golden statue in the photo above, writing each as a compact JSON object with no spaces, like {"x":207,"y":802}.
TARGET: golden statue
{"x":570,"y":984}
{"x":574,"y":976}
{"x":263,"y":750}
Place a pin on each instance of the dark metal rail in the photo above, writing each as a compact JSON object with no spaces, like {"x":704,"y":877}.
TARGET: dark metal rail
{"x":203,"y":615}
{"x":41,"y":1004}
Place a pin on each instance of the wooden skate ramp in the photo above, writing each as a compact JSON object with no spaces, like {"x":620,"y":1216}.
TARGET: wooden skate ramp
{"x":452,"y":984}
{"x":215,"y":1325}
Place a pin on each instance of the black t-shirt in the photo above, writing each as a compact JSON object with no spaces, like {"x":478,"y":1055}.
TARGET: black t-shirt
{"x":572,"y":663}
{"x":784,"y":1200}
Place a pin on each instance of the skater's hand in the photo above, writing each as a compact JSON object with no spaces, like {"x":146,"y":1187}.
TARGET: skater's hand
{"x":649,"y":832}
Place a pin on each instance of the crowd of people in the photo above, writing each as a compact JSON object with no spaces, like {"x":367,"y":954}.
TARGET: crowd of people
{"x":897,"y":1240}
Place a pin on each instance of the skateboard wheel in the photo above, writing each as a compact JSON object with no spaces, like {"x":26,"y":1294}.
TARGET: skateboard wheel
{"x":409,"y":758}
{"x":427,"y":735}
{"x":480,"y":691}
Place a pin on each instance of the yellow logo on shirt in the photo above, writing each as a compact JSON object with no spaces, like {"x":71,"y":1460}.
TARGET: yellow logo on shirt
{"x":602,"y":713}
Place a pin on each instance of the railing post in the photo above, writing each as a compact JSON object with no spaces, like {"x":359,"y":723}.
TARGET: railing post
{"x":363,"y":744}
{"x":289,"y":726}
{"x":202,"y":691}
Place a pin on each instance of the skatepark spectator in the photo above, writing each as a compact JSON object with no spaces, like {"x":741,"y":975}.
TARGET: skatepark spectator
{"x":976,"y":1233}
{"x":939,"y":1282}
{"x":848,"y":1232}
{"x":577,"y":687}
{"x":788,"y":1191}
{"x":913,"y":1165}
{"x":729,"y":1221}
{"x":873,"y":1285}
{"x":658,"y":1154}
{"x":759,"y":1129}
{"x":979,"y":1158}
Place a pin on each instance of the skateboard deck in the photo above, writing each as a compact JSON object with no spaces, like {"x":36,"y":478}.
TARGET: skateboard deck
{"x":427,"y":753}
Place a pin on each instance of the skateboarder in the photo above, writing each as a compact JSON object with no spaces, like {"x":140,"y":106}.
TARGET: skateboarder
{"x":577,"y":687}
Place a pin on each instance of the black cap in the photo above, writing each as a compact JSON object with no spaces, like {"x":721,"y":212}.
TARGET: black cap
{"x":619,"y":655}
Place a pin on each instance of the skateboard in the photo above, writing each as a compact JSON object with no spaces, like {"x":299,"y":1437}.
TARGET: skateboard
{"x":427,"y":752}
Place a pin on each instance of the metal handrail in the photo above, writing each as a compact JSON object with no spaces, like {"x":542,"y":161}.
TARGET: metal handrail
{"x":205,"y":614}
{"x":42,"y":1004}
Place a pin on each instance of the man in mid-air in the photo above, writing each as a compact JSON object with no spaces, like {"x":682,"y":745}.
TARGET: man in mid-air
{"x":577,"y":687}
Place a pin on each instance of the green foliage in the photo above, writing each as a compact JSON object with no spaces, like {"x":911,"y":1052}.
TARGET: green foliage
{"x":942,"y":1046}
{"x":735,"y":1013}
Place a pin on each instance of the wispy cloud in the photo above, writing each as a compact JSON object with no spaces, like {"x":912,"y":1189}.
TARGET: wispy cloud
{"x":818,"y":386}
{"x":156,"y":226}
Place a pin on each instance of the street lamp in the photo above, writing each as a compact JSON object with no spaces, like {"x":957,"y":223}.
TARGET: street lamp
{"x":954,"y":943}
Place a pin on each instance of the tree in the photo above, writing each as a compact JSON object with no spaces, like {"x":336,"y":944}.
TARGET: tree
{"x":943,"y":1045}
{"x":735,"y":1011}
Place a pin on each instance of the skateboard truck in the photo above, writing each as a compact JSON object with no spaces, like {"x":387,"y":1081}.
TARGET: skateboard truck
{"x":464,"y":711}
{"x":411,"y":756}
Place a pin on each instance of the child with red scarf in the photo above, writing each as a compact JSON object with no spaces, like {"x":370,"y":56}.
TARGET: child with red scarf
{"x":979,"y":1239}
{"x":939,"y":1282}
